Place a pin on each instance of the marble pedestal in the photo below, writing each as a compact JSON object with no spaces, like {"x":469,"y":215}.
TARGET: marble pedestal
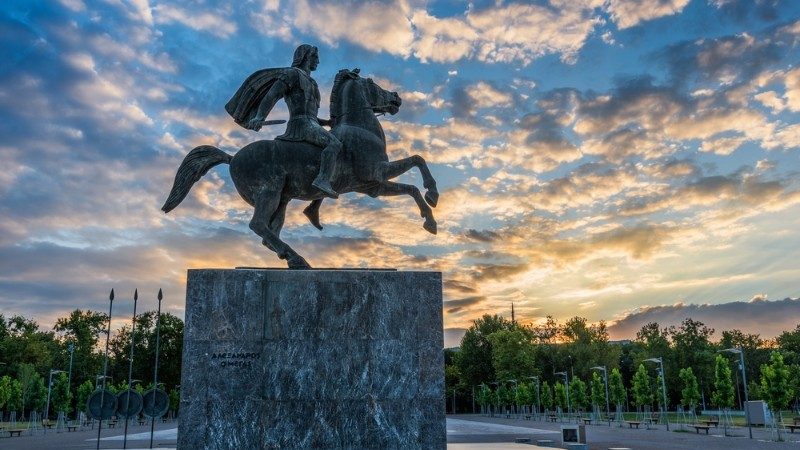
{"x":312,"y":359}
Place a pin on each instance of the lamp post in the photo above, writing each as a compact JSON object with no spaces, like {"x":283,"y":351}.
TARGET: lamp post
{"x":71,"y":349}
{"x":605,"y":381}
{"x":566,"y":385}
{"x":49,"y":388}
{"x":744,"y":382}
{"x":538,"y":402}
{"x":660,"y":362}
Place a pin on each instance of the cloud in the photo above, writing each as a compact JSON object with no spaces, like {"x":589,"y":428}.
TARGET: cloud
{"x":765,"y":318}
{"x":211,"y":22}
{"x":629,"y":13}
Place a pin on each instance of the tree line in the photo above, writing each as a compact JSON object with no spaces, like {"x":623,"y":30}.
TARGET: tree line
{"x":502,"y":362}
{"x":73,"y":351}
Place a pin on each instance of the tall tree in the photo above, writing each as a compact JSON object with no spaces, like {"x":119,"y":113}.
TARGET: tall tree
{"x":5,"y":391}
{"x":15,"y":402}
{"x":577,"y":394}
{"x":723,"y":395}
{"x":83,"y":329}
{"x":84,"y":391}
{"x":598,"y":389}
{"x":560,"y":396}
{"x":512,"y":354}
{"x":616,"y":389}
{"x":61,"y":395}
{"x":474,"y":359}
{"x":775,"y":386}
{"x":642,"y":392}
{"x":546,"y":396}
{"x":690,"y":394}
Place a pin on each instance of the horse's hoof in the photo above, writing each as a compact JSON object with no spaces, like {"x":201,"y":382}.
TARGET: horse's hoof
{"x":297,"y":262}
{"x":432,"y":197}
{"x":430,"y":226}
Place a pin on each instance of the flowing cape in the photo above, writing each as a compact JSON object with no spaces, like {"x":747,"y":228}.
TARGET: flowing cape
{"x":243,"y":106}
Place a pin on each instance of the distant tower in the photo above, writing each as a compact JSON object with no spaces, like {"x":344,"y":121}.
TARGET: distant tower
{"x":512,"y":313}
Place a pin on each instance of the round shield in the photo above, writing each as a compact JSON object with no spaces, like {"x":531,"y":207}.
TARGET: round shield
{"x":101,"y":404}
{"x":129,"y":403}
{"x":156,"y":403}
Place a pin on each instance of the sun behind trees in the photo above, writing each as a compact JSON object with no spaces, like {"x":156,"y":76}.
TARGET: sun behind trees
{"x":28,"y":353}
{"x":500,"y":355}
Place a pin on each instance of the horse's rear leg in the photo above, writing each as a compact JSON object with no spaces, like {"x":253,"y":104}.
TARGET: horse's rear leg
{"x":393,"y":169}
{"x":268,"y":215}
{"x":392,"y":188}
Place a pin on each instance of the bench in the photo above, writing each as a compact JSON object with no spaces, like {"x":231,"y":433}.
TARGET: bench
{"x":631,"y":423}
{"x":711,"y":422}
{"x":522,"y":440}
{"x":18,"y":432}
{"x":528,"y":417}
{"x":697,"y":428}
{"x":72,"y":427}
{"x":112,"y":423}
{"x":552,"y":417}
{"x":545,"y":443}
{"x":792,"y":427}
{"x":587,"y":421}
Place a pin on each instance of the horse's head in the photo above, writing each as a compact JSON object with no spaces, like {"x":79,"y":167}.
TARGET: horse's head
{"x":351,"y":91}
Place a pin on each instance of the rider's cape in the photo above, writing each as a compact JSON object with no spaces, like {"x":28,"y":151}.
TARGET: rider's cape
{"x":243,"y":106}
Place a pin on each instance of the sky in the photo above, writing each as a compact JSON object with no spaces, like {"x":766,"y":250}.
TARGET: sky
{"x":619,"y":160}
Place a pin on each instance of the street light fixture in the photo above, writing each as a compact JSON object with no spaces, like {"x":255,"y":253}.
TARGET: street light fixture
{"x":49,"y":388}
{"x":605,"y":380}
{"x":660,"y":362}
{"x":566,"y":385}
{"x":744,"y":382}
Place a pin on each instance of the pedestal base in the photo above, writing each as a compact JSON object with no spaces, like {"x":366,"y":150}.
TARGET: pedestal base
{"x":312,"y":359}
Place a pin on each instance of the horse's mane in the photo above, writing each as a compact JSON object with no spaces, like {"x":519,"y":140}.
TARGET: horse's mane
{"x":336,"y":93}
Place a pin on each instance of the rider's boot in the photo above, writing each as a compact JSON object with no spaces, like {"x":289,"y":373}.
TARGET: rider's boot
{"x":326,"y":167}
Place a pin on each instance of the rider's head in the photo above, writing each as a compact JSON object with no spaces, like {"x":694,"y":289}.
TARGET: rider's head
{"x":302,"y":53}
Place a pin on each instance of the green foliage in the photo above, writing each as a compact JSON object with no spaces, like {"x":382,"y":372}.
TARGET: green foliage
{"x":525,"y":394}
{"x":15,"y":401}
{"x":616,"y":388}
{"x":5,"y":391}
{"x":84,"y":391}
{"x":483,"y":395}
{"x":505,"y":396}
{"x":474,"y":359}
{"x":642,"y":392}
{"x":577,"y":394}
{"x":690,"y":394}
{"x":560,"y":395}
{"x":512,"y":353}
{"x":598,"y":390}
{"x":174,"y":399}
{"x":61,"y":397}
{"x":775,"y":384}
{"x":546,"y":395}
{"x":723,"y":394}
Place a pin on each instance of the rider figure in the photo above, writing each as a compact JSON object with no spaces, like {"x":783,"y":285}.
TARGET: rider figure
{"x":259,"y":93}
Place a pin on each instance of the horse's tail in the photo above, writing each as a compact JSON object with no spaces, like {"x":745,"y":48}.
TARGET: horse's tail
{"x":193,"y":167}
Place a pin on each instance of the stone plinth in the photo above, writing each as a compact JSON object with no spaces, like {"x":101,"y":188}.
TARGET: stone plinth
{"x":312,"y":359}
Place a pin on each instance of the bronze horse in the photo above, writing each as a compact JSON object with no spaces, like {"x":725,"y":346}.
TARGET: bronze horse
{"x":270,"y":173}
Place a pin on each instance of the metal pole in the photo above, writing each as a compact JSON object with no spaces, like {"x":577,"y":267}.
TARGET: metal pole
{"x":605,"y":378}
{"x":47,"y":406}
{"x":746,"y":398}
{"x":664,"y":392}
{"x":155,"y":370}
{"x":69,"y":377}
{"x":105,"y":367}
{"x":130,"y":369}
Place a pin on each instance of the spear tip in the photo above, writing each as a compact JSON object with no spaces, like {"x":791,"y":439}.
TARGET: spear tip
{"x":160,"y":294}
{"x":136,"y":294}
{"x":111,"y":296}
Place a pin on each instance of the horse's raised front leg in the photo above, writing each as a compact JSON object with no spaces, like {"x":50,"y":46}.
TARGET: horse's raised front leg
{"x":268,"y":204}
{"x":392,"y":188}
{"x":393,"y":169}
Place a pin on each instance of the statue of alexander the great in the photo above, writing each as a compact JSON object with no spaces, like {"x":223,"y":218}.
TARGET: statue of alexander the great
{"x":261,"y":91}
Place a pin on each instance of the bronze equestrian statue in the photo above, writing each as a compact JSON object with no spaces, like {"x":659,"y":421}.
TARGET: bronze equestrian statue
{"x":270,"y":173}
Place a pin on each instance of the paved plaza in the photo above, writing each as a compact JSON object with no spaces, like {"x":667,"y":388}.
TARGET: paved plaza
{"x":464,"y":432}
